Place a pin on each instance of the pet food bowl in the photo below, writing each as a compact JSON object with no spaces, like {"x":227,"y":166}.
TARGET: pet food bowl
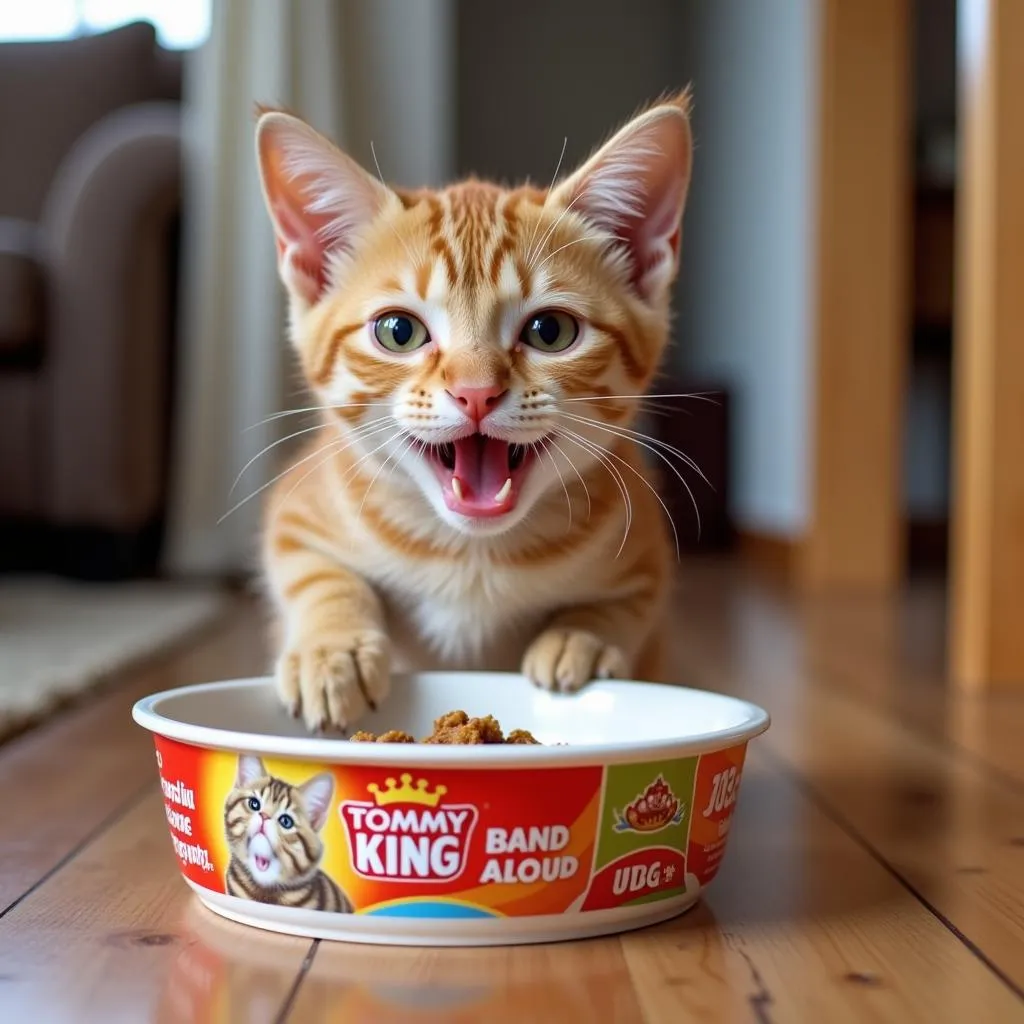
{"x":622,"y":824}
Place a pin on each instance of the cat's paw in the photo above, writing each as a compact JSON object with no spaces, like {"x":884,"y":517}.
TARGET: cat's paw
{"x":333,"y":680}
{"x":566,"y":659}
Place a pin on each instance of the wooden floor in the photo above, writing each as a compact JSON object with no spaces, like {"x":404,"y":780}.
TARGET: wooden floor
{"x":876,"y":870}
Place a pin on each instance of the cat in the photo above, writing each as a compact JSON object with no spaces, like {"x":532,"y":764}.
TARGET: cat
{"x":273,"y":832}
{"x":475,"y":497}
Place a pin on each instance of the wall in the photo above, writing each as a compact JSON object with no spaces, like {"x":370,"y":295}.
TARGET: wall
{"x":745,"y":287}
{"x":396,"y":61}
{"x":533,"y":73}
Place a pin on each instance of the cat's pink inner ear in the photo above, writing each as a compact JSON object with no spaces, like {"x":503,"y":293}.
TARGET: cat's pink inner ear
{"x":250,"y":768}
{"x":634,"y":187}
{"x":318,"y":199}
{"x":316,"y":795}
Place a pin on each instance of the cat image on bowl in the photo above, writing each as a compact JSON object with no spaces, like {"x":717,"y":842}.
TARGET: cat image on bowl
{"x":273,"y":831}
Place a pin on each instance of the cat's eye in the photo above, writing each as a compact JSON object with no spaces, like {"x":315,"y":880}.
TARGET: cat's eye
{"x":550,"y":330}
{"x":400,"y":332}
{"x":286,"y":821}
{"x":254,"y":804}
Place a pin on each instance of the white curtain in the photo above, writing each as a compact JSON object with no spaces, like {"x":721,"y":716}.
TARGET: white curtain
{"x":357,"y":70}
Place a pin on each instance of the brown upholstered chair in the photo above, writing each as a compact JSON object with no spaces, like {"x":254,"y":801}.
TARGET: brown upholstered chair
{"x":90,"y":192}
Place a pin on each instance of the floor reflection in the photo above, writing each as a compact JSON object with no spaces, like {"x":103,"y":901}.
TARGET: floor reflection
{"x":230,"y":973}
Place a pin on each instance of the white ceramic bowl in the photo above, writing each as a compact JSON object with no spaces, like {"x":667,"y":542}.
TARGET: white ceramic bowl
{"x":621,"y":827}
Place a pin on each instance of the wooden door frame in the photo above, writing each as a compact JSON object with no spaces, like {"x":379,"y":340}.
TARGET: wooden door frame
{"x":987,"y":565}
{"x":861,"y":296}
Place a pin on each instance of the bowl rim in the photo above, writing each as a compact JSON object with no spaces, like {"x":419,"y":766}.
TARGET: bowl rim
{"x":326,"y":750}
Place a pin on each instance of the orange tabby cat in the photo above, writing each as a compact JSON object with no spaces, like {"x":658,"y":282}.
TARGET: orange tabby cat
{"x":475,"y":497}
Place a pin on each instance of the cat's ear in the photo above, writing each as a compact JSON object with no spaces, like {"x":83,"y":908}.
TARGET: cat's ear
{"x":634,"y":187}
{"x":318,"y":199}
{"x":250,"y":768}
{"x":316,"y":795}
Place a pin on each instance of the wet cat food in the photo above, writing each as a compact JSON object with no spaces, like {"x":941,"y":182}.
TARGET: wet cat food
{"x":455,"y":728}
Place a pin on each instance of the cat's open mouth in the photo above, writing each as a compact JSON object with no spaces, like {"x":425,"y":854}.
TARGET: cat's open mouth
{"x":480,"y":476}
{"x":262,"y":863}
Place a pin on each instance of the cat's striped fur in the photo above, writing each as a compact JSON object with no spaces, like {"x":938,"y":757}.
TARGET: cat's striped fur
{"x":369,"y":552}
{"x":273,"y":833}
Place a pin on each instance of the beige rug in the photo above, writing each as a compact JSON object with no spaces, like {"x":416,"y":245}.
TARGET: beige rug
{"x":59,"y":639}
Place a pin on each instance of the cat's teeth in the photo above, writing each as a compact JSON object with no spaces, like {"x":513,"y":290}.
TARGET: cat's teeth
{"x":457,"y":488}
{"x":506,"y":490}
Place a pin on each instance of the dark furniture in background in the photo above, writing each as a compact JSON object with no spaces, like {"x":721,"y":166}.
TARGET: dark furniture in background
{"x":90,"y":195}
{"x":699,"y":427}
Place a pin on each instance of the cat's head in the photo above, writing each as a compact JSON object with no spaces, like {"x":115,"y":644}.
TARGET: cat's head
{"x":479,"y":338}
{"x":272,"y":827}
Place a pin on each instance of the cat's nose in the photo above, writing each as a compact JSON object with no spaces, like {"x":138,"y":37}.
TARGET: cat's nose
{"x":477,"y":402}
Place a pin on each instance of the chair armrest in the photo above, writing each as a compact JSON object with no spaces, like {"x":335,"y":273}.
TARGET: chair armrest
{"x":105,"y":228}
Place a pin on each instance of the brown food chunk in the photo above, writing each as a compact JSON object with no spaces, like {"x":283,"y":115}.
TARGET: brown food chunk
{"x":392,"y":736}
{"x":458,"y":728}
{"x":450,"y":721}
{"x":521,"y":736}
{"x":455,"y":728}
{"x":395,"y":736}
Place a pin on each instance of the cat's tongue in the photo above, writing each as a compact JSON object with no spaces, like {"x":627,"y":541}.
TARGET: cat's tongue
{"x":262,"y":862}
{"x":481,"y":483}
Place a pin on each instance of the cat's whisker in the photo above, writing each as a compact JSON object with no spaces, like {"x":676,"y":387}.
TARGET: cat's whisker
{"x":642,"y":439}
{"x":329,"y":445}
{"x":282,"y":440}
{"x":313,"y":408}
{"x":309,"y":472}
{"x":646,"y":405}
{"x":380,"y":470}
{"x":601,"y":454}
{"x":536,"y":251}
{"x":405,"y":246}
{"x":341,"y":439}
{"x":561,"y":480}
{"x":575,"y":241}
{"x":331,"y":455}
{"x":352,"y":469}
{"x":701,"y":396}
{"x":412,"y":444}
{"x":636,"y":438}
{"x":554,"y":178}
{"x":572,"y":466}
{"x":645,"y":482}
{"x":551,"y":231}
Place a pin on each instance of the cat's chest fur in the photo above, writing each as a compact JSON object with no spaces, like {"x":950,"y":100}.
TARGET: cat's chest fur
{"x":465,"y":615}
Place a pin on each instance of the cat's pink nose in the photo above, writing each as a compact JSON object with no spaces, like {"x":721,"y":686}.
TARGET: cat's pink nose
{"x":476,"y":403}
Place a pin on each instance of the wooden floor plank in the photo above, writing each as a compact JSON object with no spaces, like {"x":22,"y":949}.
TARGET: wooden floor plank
{"x":949,"y":830}
{"x":876,"y":871}
{"x":803,"y":924}
{"x":891,"y":653}
{"x":944,"y":823}
{"x":111,"y":937}
{"x":585,"y":981}
{"x":92,"y":760}
{"x":887,"y":652}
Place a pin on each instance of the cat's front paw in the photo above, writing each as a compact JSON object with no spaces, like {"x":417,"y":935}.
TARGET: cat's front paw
{"x":333,"y":680}
{"x":566,"y":659}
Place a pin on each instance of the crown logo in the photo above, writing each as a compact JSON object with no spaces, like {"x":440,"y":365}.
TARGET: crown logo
{"x":654,"y":809}
{"x":404,"y":792}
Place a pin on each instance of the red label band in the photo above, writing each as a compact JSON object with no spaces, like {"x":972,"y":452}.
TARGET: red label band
{"x":447,"y":842}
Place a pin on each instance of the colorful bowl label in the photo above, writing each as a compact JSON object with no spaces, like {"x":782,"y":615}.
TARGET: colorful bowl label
{"x":447,"y":843}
